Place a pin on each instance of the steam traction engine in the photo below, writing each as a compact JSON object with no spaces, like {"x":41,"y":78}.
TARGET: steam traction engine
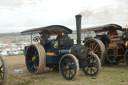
{"x":110,"y":43}
{"x":60,"y":54}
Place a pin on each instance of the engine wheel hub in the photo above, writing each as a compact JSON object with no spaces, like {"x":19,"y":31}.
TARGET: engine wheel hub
{"x":33,"y":59}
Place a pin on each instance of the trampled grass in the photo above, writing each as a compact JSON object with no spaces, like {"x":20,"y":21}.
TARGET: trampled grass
{"x":109,"y":75}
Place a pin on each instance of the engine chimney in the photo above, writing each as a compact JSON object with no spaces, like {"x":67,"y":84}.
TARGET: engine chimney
{"x":78,"y":29}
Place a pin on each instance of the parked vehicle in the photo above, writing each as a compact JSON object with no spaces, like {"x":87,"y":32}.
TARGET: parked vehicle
{"x":15,"y":52}
{"x":109,"y":42}
{"x":60,"y":53}
{"x":7,"y":52}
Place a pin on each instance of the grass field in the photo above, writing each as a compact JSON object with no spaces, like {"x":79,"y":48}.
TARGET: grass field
{"x":109,"y":75}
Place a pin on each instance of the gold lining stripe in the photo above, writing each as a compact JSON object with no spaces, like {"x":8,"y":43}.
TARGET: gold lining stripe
{"x":70,"y":51}
{"x":51,"y":54}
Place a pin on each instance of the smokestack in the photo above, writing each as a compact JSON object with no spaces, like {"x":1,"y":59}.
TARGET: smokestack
{"x":78,"y":29}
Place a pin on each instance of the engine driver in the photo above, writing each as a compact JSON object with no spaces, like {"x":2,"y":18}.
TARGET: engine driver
{"x":60,"y":36}
{"x":112,"y":32}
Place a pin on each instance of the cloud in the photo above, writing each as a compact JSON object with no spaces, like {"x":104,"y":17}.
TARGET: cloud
{"x":41,"y":13}
{"x":19,"y":15}
{"x":17,"y":3}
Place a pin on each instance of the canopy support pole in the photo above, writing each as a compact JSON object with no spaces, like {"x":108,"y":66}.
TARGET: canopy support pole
{"x":84,"y":35}
{"x":31,"y":38}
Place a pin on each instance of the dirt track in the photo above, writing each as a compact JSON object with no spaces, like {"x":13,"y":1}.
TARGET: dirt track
{"x":12,"y":60}
{"x":109,"y":75}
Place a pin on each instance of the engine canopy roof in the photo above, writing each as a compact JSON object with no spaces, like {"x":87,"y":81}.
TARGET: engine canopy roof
{"x":52,"y":30}
{"x":103,"y":28}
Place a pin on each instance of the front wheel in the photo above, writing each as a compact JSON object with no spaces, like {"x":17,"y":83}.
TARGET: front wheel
{"x":68,"y":66}
{"x":91,"y":65}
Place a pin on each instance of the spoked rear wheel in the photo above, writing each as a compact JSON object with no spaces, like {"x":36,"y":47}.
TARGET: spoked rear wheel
{"x":35,"y":59}
{"x":91,"y":65}
{"x":68,"y":66}
{"x":96,"y":46}
{"x":3,"y":71}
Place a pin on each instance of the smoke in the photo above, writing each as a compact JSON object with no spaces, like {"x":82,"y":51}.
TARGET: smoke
{"x":116,"y":13}
{"x":97,"y":14}
{"x":86,"y":13}
{"x":101,"y":13}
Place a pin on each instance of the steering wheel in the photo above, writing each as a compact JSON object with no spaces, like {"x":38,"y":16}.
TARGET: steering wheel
{"x":36,"y":38}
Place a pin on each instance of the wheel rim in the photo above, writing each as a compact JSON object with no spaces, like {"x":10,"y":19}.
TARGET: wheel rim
{"x":91,"y":65}
{"x":32,"y":59}
{"x":68,"y":67}
{"x":3,"y":71}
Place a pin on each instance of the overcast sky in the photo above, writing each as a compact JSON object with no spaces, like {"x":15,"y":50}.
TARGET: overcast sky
{"x":19,"y":15}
